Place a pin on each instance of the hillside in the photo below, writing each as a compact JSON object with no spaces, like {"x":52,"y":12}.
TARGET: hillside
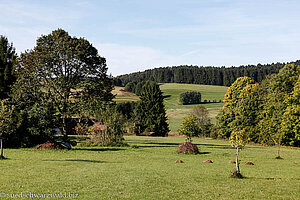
{"x":175,"y":111}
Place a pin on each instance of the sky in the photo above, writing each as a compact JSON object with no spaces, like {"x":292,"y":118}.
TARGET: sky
{"x":135,"y":35}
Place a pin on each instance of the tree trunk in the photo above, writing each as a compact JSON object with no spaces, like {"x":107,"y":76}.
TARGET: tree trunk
{"x":1,"y":144}
{"x":278,"y":151}
{"x":65,"y":136}
{"x":237,"y":161}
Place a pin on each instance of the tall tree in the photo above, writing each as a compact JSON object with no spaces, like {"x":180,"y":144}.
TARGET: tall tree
{"x":6,"y":118}
{"x":239,"y":110}
{"x":152,"y":110}
{"x":65,"y":71}
{"x":279,"y":115}
{"x":8,"y":57}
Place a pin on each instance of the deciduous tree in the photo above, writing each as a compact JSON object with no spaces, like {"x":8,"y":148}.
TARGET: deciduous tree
{"x":65,"y":71}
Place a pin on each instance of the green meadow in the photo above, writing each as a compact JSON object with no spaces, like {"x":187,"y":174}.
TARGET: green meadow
{"x":147,"y":170}
{"x":176,"y":112}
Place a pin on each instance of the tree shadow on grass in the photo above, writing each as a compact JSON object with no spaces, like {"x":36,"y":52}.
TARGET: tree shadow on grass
{"x":98,"y":149}
{"x":204,"y":152}
{"x":219,"y":146}
{"x":265,"y":178}
{"x":77,"y":160}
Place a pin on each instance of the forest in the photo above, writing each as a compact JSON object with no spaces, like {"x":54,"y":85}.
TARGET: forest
{"x":223,"y":76}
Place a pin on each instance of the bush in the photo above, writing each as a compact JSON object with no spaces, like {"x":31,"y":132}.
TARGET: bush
{"x":109,"y":134}
{"x":191,"y":97}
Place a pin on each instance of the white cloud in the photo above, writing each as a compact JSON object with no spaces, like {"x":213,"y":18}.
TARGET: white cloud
{"x":122,"y":59}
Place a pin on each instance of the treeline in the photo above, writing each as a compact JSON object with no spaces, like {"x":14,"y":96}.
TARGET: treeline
{"x":223,"y":76}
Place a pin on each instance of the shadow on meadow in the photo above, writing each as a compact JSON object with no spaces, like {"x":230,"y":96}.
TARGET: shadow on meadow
{"x":98,"y":149}
{"x":76,"y":160}
{"x":220,"y":146}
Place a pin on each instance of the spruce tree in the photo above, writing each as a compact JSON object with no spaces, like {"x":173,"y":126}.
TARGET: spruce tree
{"x":152,"y":110}
{"x":7,"y":59}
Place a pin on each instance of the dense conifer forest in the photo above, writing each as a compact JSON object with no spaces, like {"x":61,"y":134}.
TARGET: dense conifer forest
{"x":223,"y":76}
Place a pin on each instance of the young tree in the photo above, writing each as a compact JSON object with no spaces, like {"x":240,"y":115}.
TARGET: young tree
{"x":8,"y":57}
{"x":189,"y":127}
{"x":6,"y":119}
{"x":65,"y":71}
{"x":238,"y":141}
{"x":152,"y":110}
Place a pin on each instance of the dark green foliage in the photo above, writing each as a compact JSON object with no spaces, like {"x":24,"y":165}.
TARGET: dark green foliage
{"x":191,"y":97}
{"x":34,"y":125}
{"x":151,"y":110}
{"x":129,"y":87}
{"x":6,"y":123}
{"x":8,"y":58}
{"x":126,"y":109}
{"x":201,"y":75}
{"x":135,"y":87}
{"x":64,"y":72}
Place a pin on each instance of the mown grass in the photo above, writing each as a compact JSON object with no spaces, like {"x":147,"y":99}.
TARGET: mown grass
{"x":150,"y":171}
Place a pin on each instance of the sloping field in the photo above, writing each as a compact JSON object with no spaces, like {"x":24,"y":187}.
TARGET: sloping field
{"x":123,"y":96}
{"x":177,"y":112}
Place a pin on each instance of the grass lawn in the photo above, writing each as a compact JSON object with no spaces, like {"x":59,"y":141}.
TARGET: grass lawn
{"x":150,"y":171}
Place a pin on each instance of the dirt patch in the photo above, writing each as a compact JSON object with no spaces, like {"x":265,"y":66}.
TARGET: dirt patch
{"x":249,"y":163}
{"x":207,"y":161}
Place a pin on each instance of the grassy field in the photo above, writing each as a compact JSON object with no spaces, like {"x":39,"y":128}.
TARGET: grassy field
{"x":172,"y":92}
{"x":175,"y":111}
{"x":150,"y":172}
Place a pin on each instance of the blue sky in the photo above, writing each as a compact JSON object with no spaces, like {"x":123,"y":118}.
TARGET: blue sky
{"x":134,"y":35}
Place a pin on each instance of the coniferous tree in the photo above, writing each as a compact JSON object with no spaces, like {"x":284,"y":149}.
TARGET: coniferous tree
{"x":152,"y":110}
{"x":8,"y":57}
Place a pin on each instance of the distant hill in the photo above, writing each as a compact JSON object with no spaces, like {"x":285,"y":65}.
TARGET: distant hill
{"x":223,"y":76}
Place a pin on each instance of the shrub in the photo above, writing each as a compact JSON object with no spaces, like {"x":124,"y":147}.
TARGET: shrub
{"x":191,"y":97}
{"x":110,"y":134}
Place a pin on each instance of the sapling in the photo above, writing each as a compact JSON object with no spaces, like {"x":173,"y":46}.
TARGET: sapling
{"x":237,"y":140}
